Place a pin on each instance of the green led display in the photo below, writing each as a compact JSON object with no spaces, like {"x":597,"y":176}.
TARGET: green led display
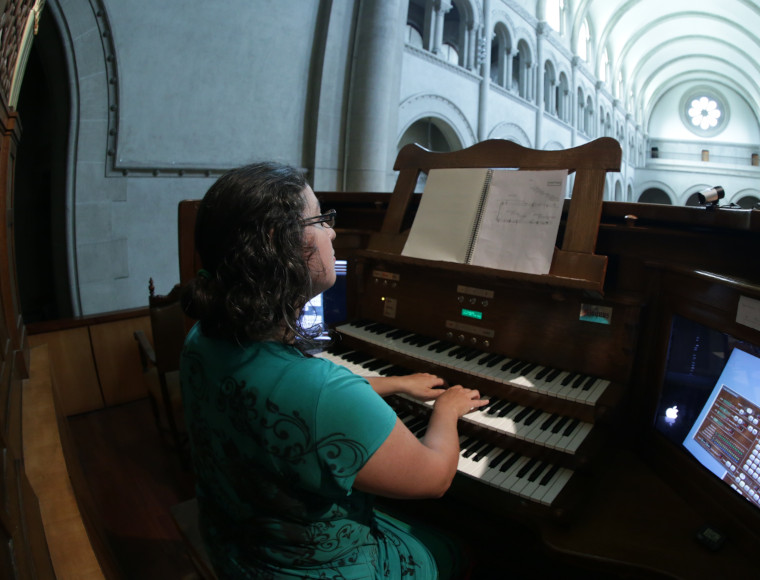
{"x":472,"y":314}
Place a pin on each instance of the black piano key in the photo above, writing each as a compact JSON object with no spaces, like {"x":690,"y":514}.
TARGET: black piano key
{"x":491,"y":401}
{"x":509,"y":462}
{"x":508,"y":409}
{"x":587,"y":385}
{"x":443,"y":347}
{"x":553,"y":375}
{"x":499,"y":458}
{"x":538,"y":471}
{"x":571,"y":427}
{"x":463,"y":352}
{"x":522,"y":472}
{"x":419,"y":340}
{"x":509,"y":365}
{"x":496,"y":361}
{"x":561,"y":423}
{"x":487,"y":359}
{"x":578,"y":382}
{"x":483,"y":452}
{"x":497,"y":405}
{"x":357,"y":357}
{"x":475,"y":447}
{"x":529,"y":369}
{"x":472,"y":354}
{"x":522,"y":414}
{"x":542,"y":373}
{"x":397,"y":371}
{"x":549,"y":475}
{"x":455,"y":351}
{"x":533,"y":416}
{"x":398,"y":334}
{"x":568,"y":379}
{"x":548,"y":422}
{"x":375,"y":364}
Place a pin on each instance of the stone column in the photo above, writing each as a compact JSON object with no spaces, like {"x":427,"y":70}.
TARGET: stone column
{"x":539,"y":84}
{"x":573,"y":104}
{"x":485,"y":70}
{"x":441,"y":7}
{"x":374,"y":95}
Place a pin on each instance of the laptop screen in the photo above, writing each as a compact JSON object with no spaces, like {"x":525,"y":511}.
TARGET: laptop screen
{"x":710,"y":403}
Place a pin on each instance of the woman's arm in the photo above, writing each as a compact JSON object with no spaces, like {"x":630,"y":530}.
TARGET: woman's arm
{"x":406,"y":467}
{"x":421,"y":386}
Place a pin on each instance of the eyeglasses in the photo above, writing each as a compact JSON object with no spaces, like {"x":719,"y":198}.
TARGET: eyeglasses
{"x":327,"y":219}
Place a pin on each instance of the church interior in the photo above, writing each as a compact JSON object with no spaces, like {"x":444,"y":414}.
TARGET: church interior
{"x":117,"y":117}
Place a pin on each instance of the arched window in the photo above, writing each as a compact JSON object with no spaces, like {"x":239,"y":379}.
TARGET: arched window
{"x":413,"y":36}
{"x":501,"y":47}
{"x":748,"y":202}
{"x":555,"y":15}
{"x":655,"y":195}
{"x":604,"y":68}
{"x":581,"y":116}
{"x":415,"y":24}
{"x":563,"y":98}
{"x":550,"y":82}
{"x":521,"y":70}
{"x":583,"y":40}
{"x":516,"y":70}
{"x":588,"y":127}
{"x":452,"y":36}
{"x":449,"y":53}
{"x":620,"y":88}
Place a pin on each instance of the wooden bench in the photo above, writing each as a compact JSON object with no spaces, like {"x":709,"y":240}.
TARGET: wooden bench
{"x":75,"y":542}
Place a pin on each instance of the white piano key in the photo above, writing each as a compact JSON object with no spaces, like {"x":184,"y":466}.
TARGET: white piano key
{"x":505,"y":424}
{"x":531,"y":487}
{"x":507,"y":479}
{"x":517,"y":379}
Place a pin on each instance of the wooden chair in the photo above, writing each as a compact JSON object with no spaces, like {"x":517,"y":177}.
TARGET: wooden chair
{"x":160,"y":363}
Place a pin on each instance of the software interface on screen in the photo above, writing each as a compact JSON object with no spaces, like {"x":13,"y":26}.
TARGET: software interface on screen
{"x":328,"y":308}
{"x":710,"y":403}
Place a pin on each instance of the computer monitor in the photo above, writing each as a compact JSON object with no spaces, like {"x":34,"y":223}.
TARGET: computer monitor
{"x":329,"y":308}
{"x":709,"y":404}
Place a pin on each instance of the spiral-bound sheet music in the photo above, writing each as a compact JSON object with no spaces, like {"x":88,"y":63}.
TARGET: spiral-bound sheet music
{"x":496,"y":218}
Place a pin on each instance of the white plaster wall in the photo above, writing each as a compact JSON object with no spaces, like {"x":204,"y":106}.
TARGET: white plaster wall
{"x":197,"y":90}
{"x":457,"y":90}
{"x":202,"y":86}
{"x":665,"y":121}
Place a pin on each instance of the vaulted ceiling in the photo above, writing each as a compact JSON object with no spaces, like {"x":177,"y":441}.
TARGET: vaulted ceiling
{"x":660,"y":44}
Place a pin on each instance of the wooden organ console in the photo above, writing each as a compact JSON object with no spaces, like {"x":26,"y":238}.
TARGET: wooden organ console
{"x":552,"y":352}
{"x":572,"y":361}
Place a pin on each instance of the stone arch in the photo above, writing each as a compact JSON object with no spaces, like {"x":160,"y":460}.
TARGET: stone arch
{"x":618,"y":191}
{"x":553,"y":146}
{"x":656,"y":192}
{"x":510,"y":132}
{"x":448,"y":118}
{"x":746,"y":198}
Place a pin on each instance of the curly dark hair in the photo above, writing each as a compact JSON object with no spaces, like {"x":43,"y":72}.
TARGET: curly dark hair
{"x":250,"y":240}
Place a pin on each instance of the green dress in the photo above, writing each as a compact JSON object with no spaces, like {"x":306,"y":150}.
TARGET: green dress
{"x":277,"y":439}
